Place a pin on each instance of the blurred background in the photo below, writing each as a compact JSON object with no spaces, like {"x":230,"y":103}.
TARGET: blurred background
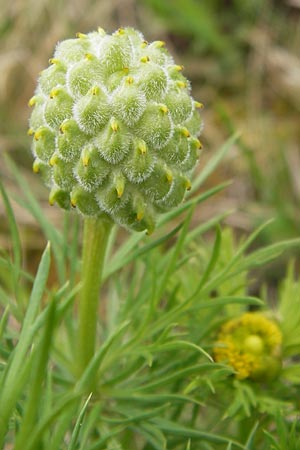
{"x":243,"y":59}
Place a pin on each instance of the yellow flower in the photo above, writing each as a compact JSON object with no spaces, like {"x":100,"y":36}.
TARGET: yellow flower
{"x":251,"y":345}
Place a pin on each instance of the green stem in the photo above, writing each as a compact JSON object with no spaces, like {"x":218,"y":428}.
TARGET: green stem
{"x":95,"y":238}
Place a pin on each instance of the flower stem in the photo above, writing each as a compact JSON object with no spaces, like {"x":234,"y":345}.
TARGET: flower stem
{"x":95,"y":238}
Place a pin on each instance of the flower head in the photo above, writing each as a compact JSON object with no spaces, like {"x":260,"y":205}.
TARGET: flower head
{"x":251,"y":345}
{"x":115,"y":128}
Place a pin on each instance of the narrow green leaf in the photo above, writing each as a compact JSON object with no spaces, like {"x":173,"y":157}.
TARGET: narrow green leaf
{"x":12,"y":395}
{"x":196,"y":200}
{"x":8,"y":265}
{"x":170,"y":267}
{"x":90,"y":373}
{"x":249,"y":445}
{"x":176,"y":345}
{"x":204,"y":227}
{"x":228,"y":300}
{"x":3,"y":321}
{"x":14,"y":233}
{"x":214,"y":162}
{"x":130,"y":416}
{"x":37,"y":293}
{"x":120,"y":261}
{"x":61,"y":426}
{"x":38,"y":375}
{"x":12,"y":382}
{"x":196,"y":369}
{"x":213,"y":259}
{"x":272,"y":440}
{"x":106,"y":436}
{"x":131,"y":396}
{"x":174,"y":429}
{"x":77,"y":429}
{"x":125,"y":255}
{"x":153,"y":436}
{"x":64,"y":404}
{"x":266,"y":254}
{"x":90,"y":423}
{"x":225,"y":273}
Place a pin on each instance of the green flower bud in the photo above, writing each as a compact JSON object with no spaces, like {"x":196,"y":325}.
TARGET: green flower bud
{"x":92,"y":111}
{"x":58,"y":108}
{"x":70,"y":140}
{"x":44,"y":143}
{"x":252,"y":345}
{"x":54,"y":76}
{"x":91,"y":170}
{"x":115,"y":129}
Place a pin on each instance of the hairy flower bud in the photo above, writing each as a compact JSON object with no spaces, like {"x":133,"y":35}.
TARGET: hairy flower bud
{"x":251,"y":344}
{"x":115,"y":128}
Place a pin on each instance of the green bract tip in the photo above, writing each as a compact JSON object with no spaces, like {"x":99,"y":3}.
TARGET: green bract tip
{"x":115,"y":128}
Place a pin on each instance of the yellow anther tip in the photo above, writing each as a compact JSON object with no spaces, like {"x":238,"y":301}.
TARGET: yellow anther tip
{"x":140,"y":215}
{"x":169,"y":176}
{"x":164,"y":109}
{"x":95,"y":90}
{"x":101,"y":30}
{"x":89,"y":56}
{"x":129,"y":80}
{"x":144,"y":44}
{"x":62,"y":128}
{"x":35,"y":167}
{"x":73,"y":202}
{"x":30,"y":132}
{"x":199,"y":105}
{"x":120,"y":191}
{"x":159,"y":44}
{"x":54,"y":93}
{"x":188,"y":185}
{"x":32,"y":101}
{"x":145,"y":59}
{"x":53,"y":160}
{"x":178,"y":68}
{"x":37,"y":135}
{"x":181,"y":84}
{"x":142,"y":148}
{"x":53,"y":61}
{"x":185,"y":132}
{"x":85,"y":160}
{"x":80,"y":35}
{"x":198,"y":144}
{"x":121,"y":31}
{"x":114,"y":125}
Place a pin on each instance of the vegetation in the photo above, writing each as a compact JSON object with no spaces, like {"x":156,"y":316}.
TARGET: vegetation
{"x":197,"y":328}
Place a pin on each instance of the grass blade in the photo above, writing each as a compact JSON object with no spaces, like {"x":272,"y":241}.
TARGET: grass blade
{"x":12,"y":381}
{"x":174,"y":429}
{"x":38,"y":375}
{"x":74,"y":438}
